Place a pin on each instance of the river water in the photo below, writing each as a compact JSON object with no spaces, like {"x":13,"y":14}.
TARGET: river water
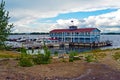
{"x":114,"y":38}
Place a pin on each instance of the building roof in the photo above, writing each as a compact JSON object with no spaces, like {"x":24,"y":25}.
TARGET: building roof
{"x":75,"y":30}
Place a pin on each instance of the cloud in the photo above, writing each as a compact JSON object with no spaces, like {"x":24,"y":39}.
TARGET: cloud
{"x":51,"y":8}
{"x":66,"y":23}
{"x":26,"y":14}
{"x":109,"y":22}
{"x":42,"y":28}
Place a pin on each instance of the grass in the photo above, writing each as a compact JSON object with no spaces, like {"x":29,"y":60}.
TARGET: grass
{"x":94,"y":55}
{"x":98,"y":54}
{"x":116,"y":56}
{"x":8,"y":54}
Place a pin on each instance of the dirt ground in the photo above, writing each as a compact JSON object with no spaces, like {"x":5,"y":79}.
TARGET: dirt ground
{"x":105,"y":69}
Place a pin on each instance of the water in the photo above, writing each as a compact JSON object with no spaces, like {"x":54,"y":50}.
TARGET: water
{"x":114,"y":38}
{"x":27,"y":36}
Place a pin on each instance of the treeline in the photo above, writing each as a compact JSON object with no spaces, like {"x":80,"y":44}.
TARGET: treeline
{"x":110,"y":33}
{"x":37,"y":33}
{"x":34,"y":33}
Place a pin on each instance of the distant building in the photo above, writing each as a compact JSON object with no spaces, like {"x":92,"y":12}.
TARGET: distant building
{"x":74,"y":34}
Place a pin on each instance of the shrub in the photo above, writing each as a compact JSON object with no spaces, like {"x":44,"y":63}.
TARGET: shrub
{"x":90,"y":58}
{"x":38,"y":58}
{"x":25,"y":62}
{"x":71,"y":59}
{"x":56,"y":53}
{"x":32,"y":50}
{"x":116,"y":56}
{"x":63,"y":60}
{"x":25,"y":58}
{"x":8,"y":48}
{"x":42,"y":58}
{"x":99,"y":55}
{"x":94,"y":57}
{"x":116,"y":49}
{"x":72,"y":56}
{"x":47,"y":55}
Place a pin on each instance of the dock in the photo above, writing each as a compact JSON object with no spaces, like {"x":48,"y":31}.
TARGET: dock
{"x":99,"y":44}
{"x":35,"y":45}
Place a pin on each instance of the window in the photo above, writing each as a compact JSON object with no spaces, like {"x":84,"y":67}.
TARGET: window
{"x":88,"y":33}
{"x":76,"y":33}
{"x":67,"y":33}
{"x":79,"y":33}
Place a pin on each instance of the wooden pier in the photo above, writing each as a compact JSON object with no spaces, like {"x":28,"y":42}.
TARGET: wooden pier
{"x":99,"y":44}
{"x":35,"y":45}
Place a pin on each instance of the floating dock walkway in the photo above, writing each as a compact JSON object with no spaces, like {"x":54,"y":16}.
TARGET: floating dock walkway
{"x":35,"y":45}
{"x":99,"y":44}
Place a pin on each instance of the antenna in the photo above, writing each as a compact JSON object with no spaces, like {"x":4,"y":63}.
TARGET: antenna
{"x":72,"y":22}
{"x":72,"y":27}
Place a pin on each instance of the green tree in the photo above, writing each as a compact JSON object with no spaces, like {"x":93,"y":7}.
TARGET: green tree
{"x":5,"y":27}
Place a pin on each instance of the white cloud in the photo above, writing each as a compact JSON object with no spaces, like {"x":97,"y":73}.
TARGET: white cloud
{"x":51,"y":8}
{"x":38,"y":27}
{"x":66,"y":23}
{"x":109,"y":22}
{"x":26,"y":13}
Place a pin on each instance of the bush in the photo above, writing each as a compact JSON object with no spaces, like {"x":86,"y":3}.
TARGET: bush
{"x":56,"y":53}
{"x":99,"y":55}
{"x":90,"y":58}
{"x":94,"y":56}
{"x":8,"y":48}
{"x":38,"y":59}
{"x":25,"y":62}
{"x":42,"y":58}
{"x":72,"y":56}
{"x":71,"y":59}
{"x":25,"y":58}
{"x":63,"y":60}
{"x":47,"y":56}
{"x":116,"y":56}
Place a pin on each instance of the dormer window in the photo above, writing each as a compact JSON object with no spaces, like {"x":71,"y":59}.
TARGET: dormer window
{"x":72,"y":27}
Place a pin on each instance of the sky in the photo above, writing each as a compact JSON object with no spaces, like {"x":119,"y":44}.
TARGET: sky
{"x":46,"y":15}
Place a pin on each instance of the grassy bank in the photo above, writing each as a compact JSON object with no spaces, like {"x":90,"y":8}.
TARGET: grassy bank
{"x":8,"y":54}
{"x":91,"y":65}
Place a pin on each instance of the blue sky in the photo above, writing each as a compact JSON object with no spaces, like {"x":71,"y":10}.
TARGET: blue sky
{"x":78,"y":15}
{"x":45,"y":15}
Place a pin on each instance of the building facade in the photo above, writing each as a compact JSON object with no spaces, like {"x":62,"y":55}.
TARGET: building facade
{"x":74,"y":34}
